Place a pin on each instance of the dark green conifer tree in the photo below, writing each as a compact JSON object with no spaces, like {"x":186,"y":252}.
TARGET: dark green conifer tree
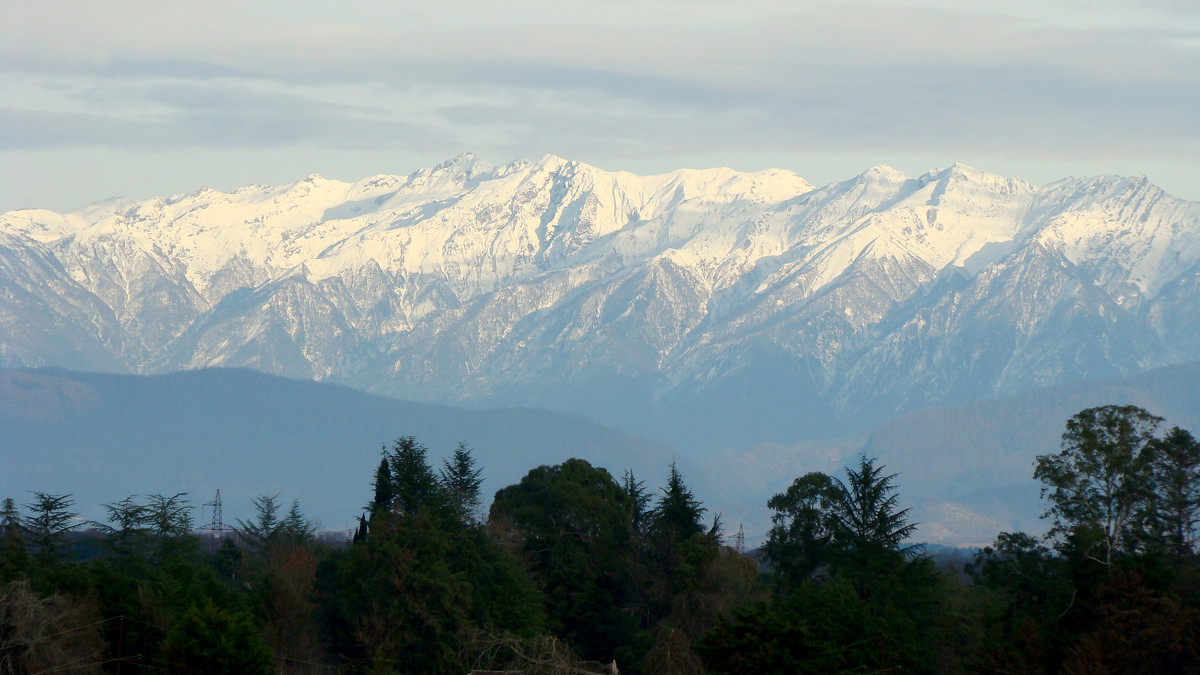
{"x":416,"y":485}
{"x":678,"y":513}
{"x":463,"y":480}
{"x":422,"y":577}
{"x":169,"y":520}
{"x":261,"y":532}
{"x":866,"y":512}
{"x":211,"y":641}
{"x":639,"y":500}
{"x":360,"y":534}
{"x":675,"y":520}
{"x":126,"y":534}
{"x":49,"y":522}
{"x":384,"y":488}
{"x":841,"y":548}
{"x":14,"y":558}
{"x":295,"y":528}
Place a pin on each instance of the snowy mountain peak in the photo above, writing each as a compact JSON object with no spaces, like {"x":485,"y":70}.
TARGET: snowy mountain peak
{"x":458,"y":171}
{"x":883,"y":173}
{"x":41,"y":225}
{"x":465,"y":281}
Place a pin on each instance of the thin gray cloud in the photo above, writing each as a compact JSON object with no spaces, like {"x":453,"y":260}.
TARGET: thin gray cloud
{"x":645,"y":81}
{"x":188,"y":115}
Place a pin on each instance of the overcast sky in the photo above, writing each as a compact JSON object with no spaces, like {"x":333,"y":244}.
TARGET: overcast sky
{"x":136,"y":99}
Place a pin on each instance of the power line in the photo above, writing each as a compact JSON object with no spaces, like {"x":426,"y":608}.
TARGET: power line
{"x":217,"y":528}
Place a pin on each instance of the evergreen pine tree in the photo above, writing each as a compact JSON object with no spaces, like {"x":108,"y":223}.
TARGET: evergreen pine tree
{"x":10,"y":520}
{"x":462,"y":478}
{"x":415,"y":484}
{"x":677,"y":514}
{"x":14,"y":558}
{"x":126,"y":532}
{"x":49,"y":522}
{"x":263,"y":530}
{"x":294,"y":527}
{"x":639,"y":499}
{"x":170,"y":523}
{"x":866,"y":512}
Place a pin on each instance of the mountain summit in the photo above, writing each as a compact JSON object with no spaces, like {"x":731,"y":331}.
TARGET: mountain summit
{"x":707,"y":307}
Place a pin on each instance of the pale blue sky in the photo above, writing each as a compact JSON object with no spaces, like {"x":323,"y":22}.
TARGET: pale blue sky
{"x":136,"y":99}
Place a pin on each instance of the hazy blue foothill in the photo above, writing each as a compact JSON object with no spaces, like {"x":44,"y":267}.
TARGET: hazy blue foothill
{"x":966,"y":470}
{"x":103,"y":437}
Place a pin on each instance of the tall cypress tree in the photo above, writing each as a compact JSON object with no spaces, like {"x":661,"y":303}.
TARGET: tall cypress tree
{"x":385,"y":488}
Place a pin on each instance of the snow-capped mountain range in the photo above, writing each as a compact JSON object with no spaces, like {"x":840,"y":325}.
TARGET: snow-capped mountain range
{"x":703,"y":307}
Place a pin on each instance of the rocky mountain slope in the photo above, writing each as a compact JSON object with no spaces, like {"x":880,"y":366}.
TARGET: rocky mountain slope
{"x":709,"y":308}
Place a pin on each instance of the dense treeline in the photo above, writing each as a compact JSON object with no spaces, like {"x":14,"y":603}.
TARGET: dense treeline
{"x":573,"y":570}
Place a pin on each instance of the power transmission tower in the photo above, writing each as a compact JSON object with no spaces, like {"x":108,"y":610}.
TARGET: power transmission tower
{"x":739,"y":544}
{"x":217,"y":528}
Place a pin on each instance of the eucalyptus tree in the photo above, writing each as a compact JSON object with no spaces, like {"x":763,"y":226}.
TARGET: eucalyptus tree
{"x":1101,"y":484}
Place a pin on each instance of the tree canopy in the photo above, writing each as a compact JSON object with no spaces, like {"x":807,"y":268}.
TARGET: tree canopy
{"x":1102,"y":481}
{"x":572,"y":571}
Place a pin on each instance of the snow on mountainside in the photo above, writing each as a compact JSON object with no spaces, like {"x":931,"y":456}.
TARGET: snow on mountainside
{"x":706,"y":307}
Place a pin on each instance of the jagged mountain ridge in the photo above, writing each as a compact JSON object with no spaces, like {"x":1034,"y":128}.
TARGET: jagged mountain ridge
{"x":700,"y":306}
